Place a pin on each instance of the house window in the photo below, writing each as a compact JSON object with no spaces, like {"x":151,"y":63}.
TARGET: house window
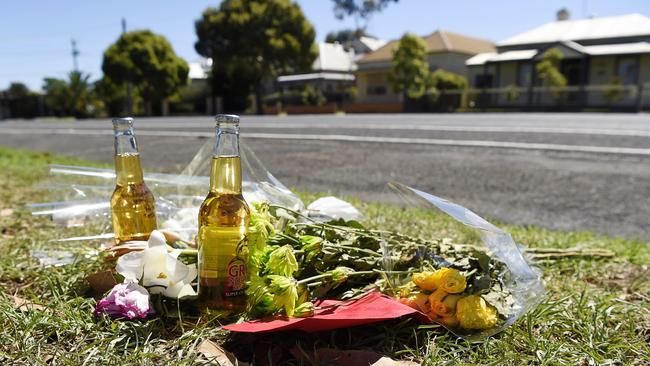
{"x":483,"y":81}
{"x":627,"y":69}
{"x":376,"y":90}
{"x":524,"y":74}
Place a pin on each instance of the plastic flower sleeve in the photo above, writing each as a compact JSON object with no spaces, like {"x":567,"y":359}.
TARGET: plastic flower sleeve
{"x":521,"y":281}
{"x":81,"y":194}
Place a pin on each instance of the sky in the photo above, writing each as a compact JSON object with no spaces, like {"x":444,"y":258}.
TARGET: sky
{"x":35,"y":36}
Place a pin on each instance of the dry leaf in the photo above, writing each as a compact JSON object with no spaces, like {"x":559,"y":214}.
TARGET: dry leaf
{"x":26,"y":305}
{"x":214,"y":352}
{"x":101,"y":282}
{"x":6,"y":212}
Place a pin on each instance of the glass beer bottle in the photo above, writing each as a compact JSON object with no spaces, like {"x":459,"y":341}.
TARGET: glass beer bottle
{"x":132,"y":204}
{"x":223,"y":220}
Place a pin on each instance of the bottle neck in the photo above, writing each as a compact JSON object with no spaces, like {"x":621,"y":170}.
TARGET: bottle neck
{"x":125,"y":143}
{"x":225,"y":175}
{"x":128,"y":169}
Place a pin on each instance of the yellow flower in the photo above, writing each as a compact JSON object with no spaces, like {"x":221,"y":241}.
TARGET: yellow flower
{"x":425,"y":280}
{"x":448,"y":279}
{"x":451,"y":281}
{"x":474,"y":313}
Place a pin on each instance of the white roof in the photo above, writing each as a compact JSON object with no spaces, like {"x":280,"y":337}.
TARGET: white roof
{"x":514,"y":55}
{"x":600,"y":50}
{"x":575,"y":30}
{"x":619,"y":49}
{"x":333,"y":57}
{"x":480,"y":58}
{"x":316,"y":76}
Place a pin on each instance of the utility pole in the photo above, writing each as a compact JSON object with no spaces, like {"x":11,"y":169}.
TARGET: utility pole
{"x":75,"y":53}
{"x":129,"y":88}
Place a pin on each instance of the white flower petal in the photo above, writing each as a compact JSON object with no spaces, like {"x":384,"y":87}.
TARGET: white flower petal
{"x":155,"y":266}
{"x":191,"y":274}
{"x":179,"y":290}
{"x":130,"y":265}
{"x":176,"y":269}
{"x":157,"y":239}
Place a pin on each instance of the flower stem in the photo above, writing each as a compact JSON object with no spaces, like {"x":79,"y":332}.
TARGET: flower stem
{"x":327,"y":274}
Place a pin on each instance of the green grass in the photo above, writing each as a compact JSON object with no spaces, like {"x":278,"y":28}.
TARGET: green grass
{"x":597,"y":311}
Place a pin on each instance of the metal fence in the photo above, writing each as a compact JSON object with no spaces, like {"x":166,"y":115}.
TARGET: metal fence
{"x":598,"y":97}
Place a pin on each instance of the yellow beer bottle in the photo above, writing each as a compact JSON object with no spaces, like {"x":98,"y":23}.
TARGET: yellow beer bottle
{"x":132,"y":204}
{"x":223,"y":220}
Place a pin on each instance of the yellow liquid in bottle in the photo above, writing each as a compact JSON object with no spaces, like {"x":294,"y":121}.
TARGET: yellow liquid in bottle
{"x":223,"y":250}
{"x":132,"y":204}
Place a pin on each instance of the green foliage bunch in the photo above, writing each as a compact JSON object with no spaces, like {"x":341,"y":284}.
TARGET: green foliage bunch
{"x":615,"y":91}
{"x":447,"y":80}
{"x":312,"y":96}
{"x":410,"y":74}
{"x":22,"y":102}
{"x":548,"y":71}
{"x":148,"y":61}
{"x":253,"y":40}
{"x":73,"y":97}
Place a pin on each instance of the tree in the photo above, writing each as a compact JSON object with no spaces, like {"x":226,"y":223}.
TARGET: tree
{"x":410,"y":74}
{"x":360,"y":10}
{"x":251,"y":41}
{"x":114,"y":97}
{"x":149,"y":63}
{"x":548,"y":72}
{"x":447,"y":80}
{"x":22,"y":102}
{"x":73,"y":97}
{"x":343,"y":36}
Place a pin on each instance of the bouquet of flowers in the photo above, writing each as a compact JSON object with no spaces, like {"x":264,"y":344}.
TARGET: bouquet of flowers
{"x":306,"y":263}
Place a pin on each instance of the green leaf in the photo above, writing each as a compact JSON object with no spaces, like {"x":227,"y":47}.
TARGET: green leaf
{"x":282,"y":262}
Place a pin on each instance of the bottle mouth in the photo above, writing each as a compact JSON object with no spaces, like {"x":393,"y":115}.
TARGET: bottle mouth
{"x":123,"y":125}
{"x":227,"y":119}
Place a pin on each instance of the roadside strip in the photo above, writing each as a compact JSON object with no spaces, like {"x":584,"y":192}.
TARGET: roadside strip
{"x":352,"y":138}
{"x":609,"y":131}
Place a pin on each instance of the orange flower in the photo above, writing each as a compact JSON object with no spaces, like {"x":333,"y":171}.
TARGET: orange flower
{"x":450,"y":321}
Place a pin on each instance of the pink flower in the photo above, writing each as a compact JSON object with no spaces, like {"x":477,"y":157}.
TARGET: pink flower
{"x":126,"y":300}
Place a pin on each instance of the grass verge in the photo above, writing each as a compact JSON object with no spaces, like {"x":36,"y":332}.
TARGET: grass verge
{"x":597,"y":311}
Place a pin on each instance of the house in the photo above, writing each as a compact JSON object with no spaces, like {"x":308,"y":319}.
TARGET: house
{"x":605,"y":61}
{"x":331,"y":71}
{"x":446,"y":50}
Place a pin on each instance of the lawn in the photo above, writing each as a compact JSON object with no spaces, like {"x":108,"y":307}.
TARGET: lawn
{"x":597,"y":310}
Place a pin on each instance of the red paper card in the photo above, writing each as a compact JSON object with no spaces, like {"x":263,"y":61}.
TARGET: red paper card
{"x":334,"y":314}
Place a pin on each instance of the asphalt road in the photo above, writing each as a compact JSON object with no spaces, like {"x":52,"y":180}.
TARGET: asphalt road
{"x":561,"y":171}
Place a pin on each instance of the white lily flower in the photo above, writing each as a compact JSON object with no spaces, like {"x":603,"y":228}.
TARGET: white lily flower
{"x":158,"y":270}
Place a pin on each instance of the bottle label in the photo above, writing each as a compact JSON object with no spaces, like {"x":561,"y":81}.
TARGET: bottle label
{"x":222,"y":256}
{"x":236,"y":281}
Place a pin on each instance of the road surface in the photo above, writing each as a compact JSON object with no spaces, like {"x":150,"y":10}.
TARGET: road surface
{"x":560,"y":171}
